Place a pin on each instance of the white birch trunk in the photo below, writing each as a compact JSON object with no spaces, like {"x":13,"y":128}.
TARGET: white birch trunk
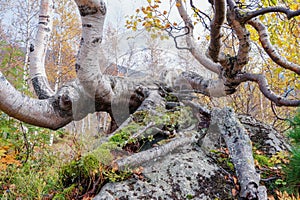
{"x":39,"y":52}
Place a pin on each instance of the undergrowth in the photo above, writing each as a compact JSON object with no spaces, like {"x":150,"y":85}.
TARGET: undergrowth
{"x":32,"y":169}
{"x":292,"y":170}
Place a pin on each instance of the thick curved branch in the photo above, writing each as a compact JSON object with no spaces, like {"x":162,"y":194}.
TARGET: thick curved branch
{"x":265,"y":89}
{"x":40,"y":113}
{"x":252,"y":14}
{"x":192,"y":82}
{"x":90,"y":55}
{"x":193,"y":47}
{"x":39,"y":51}
{"x":215,"y":27}
{"x":270,"y":49}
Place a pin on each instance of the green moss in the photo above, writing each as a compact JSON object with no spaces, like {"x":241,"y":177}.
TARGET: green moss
{"x":263,"y":160}
{"x":181,"y":118}
{"x":230,"y":165}
{"x":139,"y":116}
{"x":90,"y":164}
{"x":115,"y":176}
{"x":66,"y":193}
{"x":171,"y":98}
{"x":122,"y":136}
{"x":104,"y":152}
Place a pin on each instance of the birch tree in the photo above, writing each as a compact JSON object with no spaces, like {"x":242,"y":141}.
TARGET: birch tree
{"x":63,"y":43}
{"x":92,"y":91}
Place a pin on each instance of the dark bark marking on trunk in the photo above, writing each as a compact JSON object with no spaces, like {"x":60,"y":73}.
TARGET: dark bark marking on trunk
{"x":77,"y":67}
{"x":97,"y":40}
{"x":65,"y":102}
{"x":44,"y":23}
{"x":62,"y":113}
{"x":39,"y":84}
{"x":87,"y":25}
{"x":47,"y":29}
{"x":102,"y":8}
{"x":2,"y":78}
{"x":45,"y":16}
{"x":31,"y":48}
{"x":85,"y":10}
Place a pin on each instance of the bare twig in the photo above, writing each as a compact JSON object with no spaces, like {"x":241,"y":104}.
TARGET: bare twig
{"x":199,"y":13}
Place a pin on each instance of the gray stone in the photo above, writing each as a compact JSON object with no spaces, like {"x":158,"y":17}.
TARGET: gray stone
{"x":264,"y":136}
{"x":189,"y":172}
{"x":186,"y":173}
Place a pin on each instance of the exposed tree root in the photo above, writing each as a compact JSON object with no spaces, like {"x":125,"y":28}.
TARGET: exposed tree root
{"x":227,"y":124}
{"x":240,"y":149}
{"x":153,"y":153}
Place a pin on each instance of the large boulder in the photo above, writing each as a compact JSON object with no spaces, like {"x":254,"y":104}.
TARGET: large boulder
{"x":264,"y":136}
{"x":192,"y":172}
{"x":187,"y":173}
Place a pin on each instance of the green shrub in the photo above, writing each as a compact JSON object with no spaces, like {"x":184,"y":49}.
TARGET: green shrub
{"x":294,"y":133}
{"x":292,"y":170}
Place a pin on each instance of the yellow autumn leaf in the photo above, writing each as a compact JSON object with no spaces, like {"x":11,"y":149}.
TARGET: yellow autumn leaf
{"x":2,"y":152}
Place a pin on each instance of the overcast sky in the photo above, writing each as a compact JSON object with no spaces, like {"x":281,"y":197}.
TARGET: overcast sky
{"x":118,"y":9}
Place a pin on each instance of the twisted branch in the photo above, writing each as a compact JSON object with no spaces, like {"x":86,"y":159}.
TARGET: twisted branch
{"x":194,"y":49}
{"x":215,"y":27}
{"x":289,"y":13}
{"x":265,"y":89}
{"x":270,"y":49}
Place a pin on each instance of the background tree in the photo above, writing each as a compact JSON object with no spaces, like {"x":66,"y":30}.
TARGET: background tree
{"x":63,"y":44}
{"x":23,"y":22}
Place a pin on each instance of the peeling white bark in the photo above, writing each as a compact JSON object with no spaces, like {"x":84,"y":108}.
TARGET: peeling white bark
{"x":40,"y":113}
{"x":90,"y":54}
{"x":37,"y":57}
{"x":189,"y":81}
{"x":243,"y":35}
{"x":39,"y":51}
